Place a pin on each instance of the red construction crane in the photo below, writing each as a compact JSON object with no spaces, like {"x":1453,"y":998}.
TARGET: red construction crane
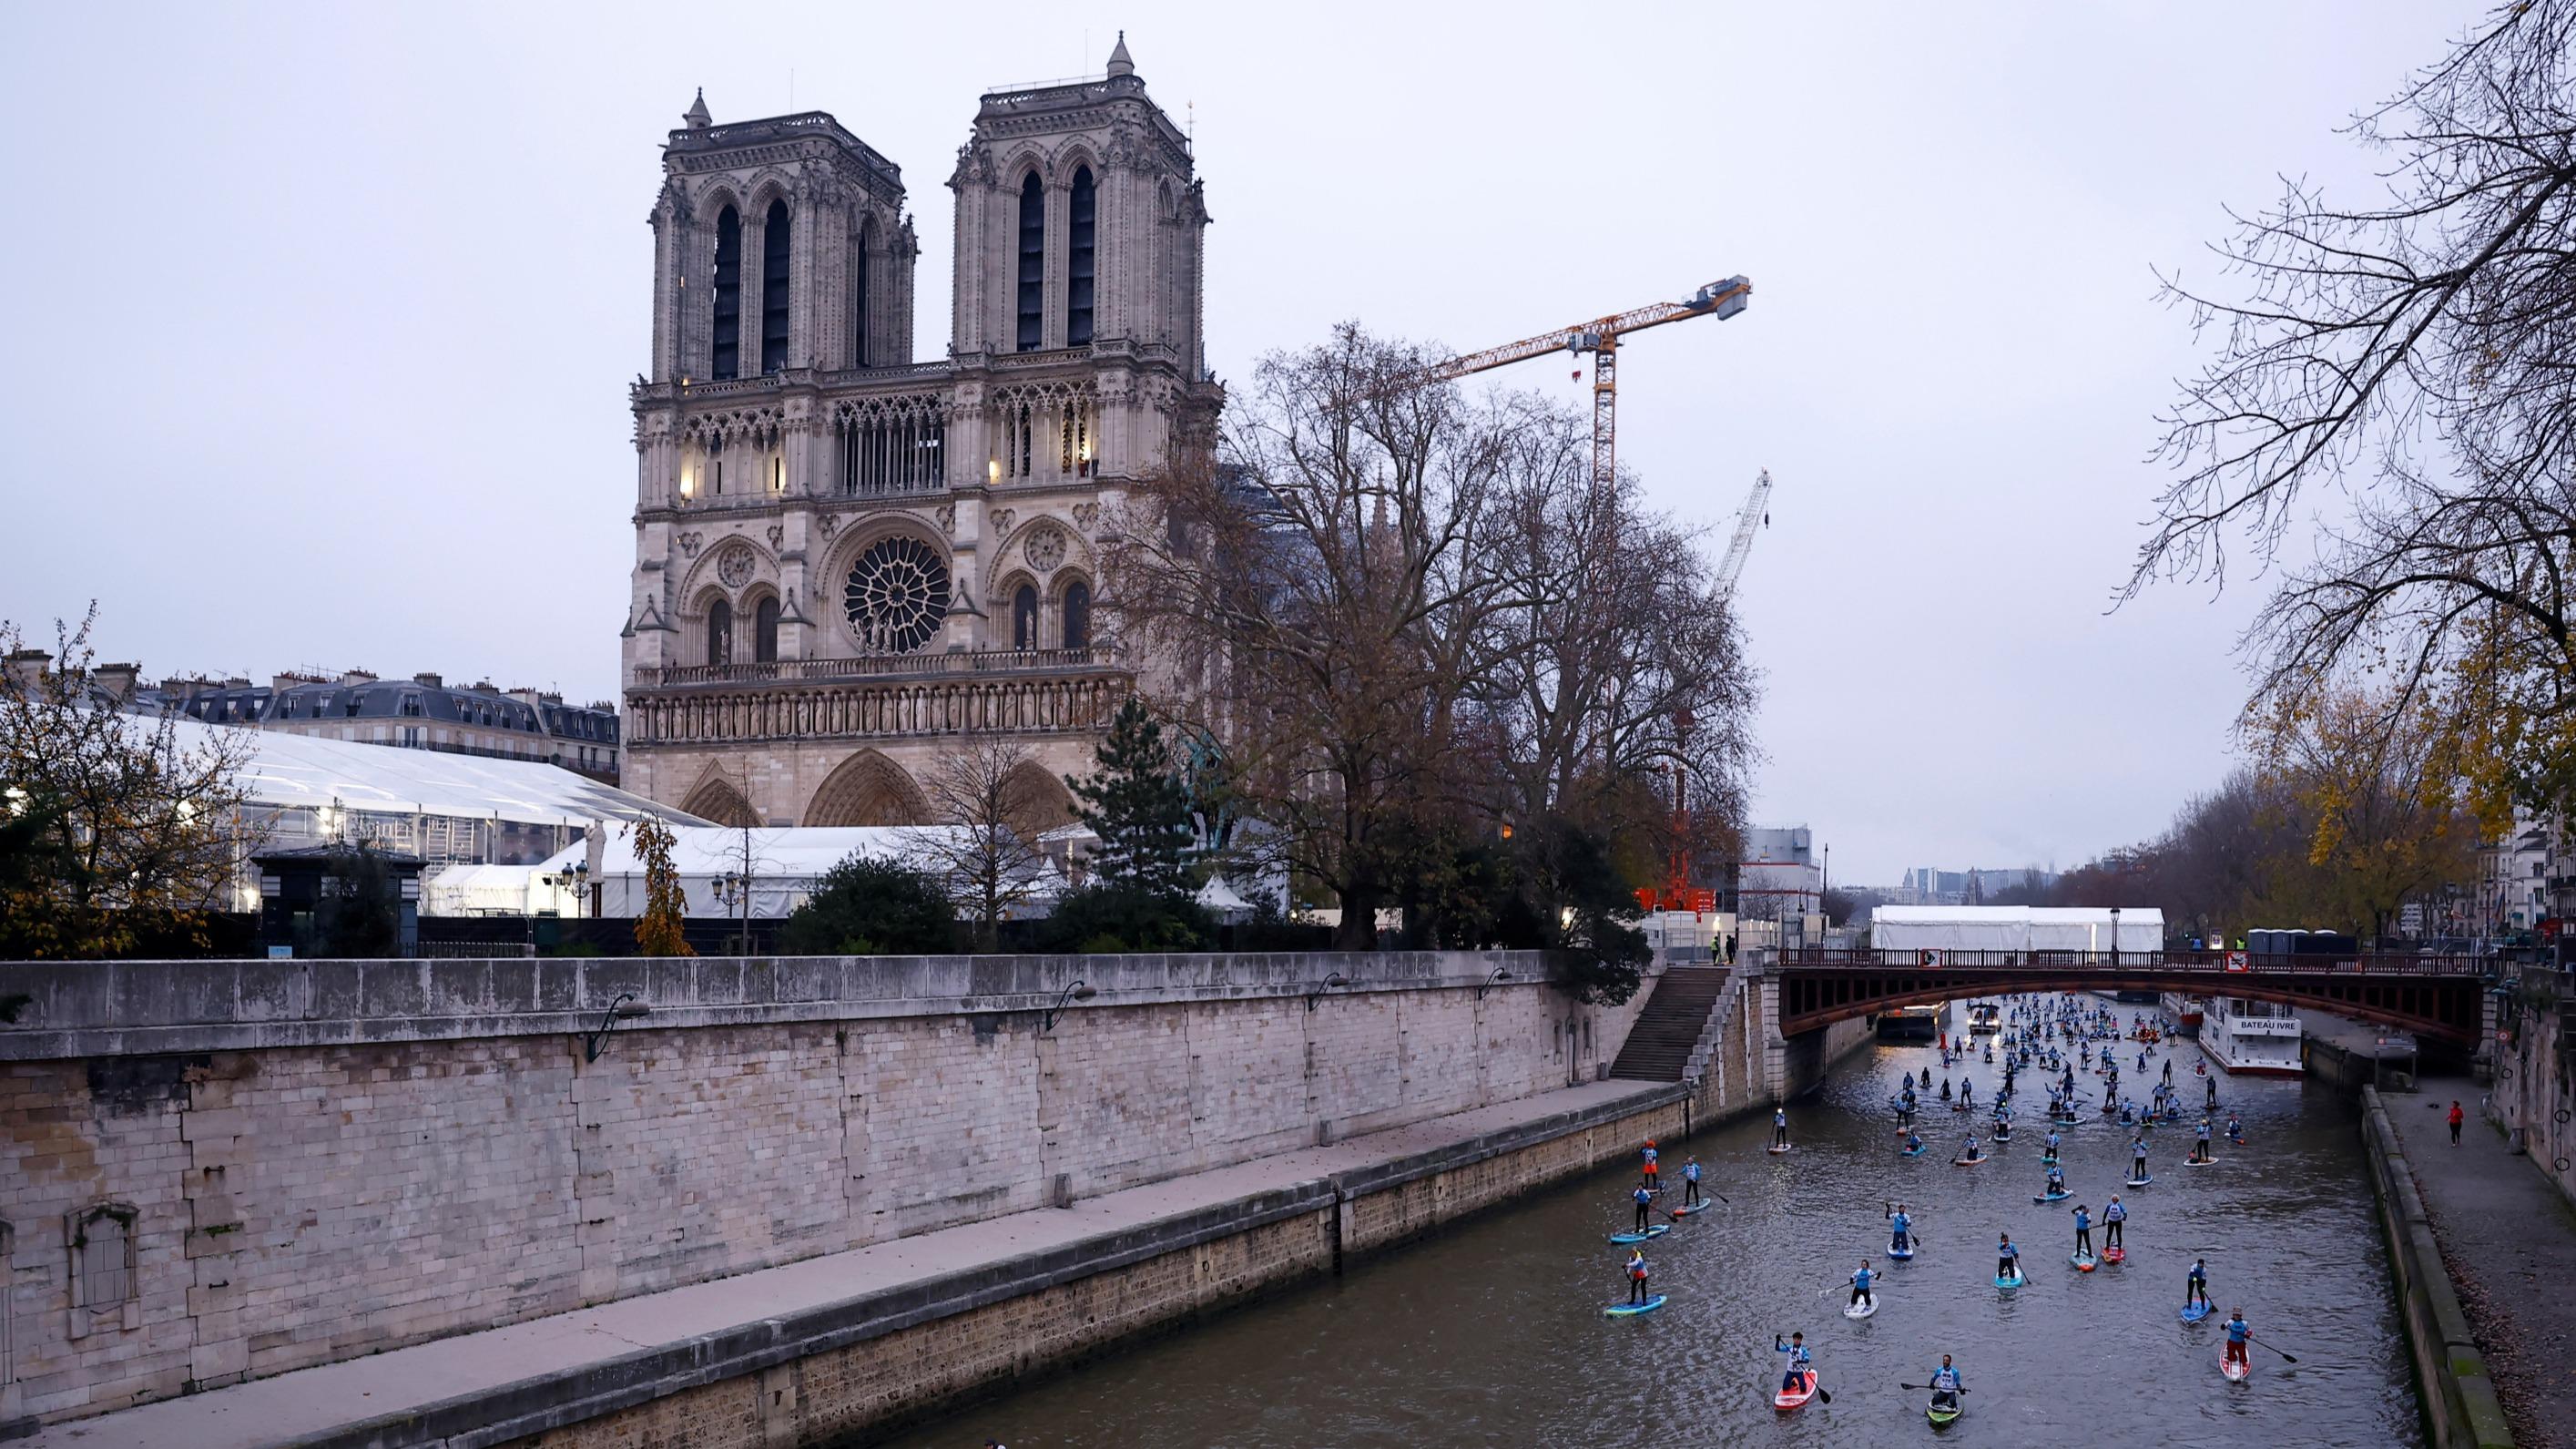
{"x":1601,"y":338}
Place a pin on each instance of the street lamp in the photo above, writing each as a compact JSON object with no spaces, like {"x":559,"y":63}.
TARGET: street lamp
{"x":1336,"y":979}
{"x":1501,"y":973}
{"x":2115,"y":938}
{"x":574,"y":878}
{"x":1078,"y":991}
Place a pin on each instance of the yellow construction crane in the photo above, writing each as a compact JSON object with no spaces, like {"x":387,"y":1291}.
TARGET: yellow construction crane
{"x":1601,"y":338}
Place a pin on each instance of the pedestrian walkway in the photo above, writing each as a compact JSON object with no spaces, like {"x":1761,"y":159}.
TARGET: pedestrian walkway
{"x":2509,"y":1240}
{"x":379,"y":1399}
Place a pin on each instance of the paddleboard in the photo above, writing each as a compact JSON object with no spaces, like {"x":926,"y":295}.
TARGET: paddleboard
{"x":2194,"y":1312}
{"x":1862,"y":1310}
{"x":1687,"y":1210}
{"x":2140,"y":1181}
{"x":2235,"y":1371}
{"x":1797,"y":1397}
{"x":1631,"y":1310}
{"x":2052,"y":1197}
{"x":1966,"y":1161}
{"x":2015,"y":1281}
{"x":1899,"y":1254}
{"x":1775,"y":1150}
{"x":1911,"y":1152}
{"x":2115,"y":1255}
{"x":1656,"y":1231}
{"x":2200,"y":1162}
{"x":2084,"y":1262}
{"x":1940,"y":1415}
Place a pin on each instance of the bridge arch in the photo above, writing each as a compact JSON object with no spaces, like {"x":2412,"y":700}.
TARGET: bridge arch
{"x":2434,"y":1003}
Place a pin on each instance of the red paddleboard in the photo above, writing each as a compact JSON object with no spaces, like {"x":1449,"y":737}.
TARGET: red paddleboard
{"x":2114,"y":1255}
{"x":1797,"y":1397}
{"x":2235,"y":1371}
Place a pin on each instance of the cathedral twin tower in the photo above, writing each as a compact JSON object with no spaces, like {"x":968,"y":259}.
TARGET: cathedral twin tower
{"x":846,"y":559}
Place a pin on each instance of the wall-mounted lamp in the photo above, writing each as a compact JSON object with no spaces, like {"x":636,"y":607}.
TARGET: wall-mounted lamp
{"x":1336,"y":979}
{"x":992,"y":470}
{"x":1078,"y":991}
{"x":1501,"y":974}
{"x":624,"y":1008}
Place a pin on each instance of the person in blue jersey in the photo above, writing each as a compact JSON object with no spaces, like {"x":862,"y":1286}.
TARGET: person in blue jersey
{"x":1969,"y":1152}
{"x":1637,"y":1271}
{"x":1860,"y":1282}
{"x":1645,"y":1199}
{"x":1779,"y":1126}
{"x":2235,"y":1130}
{"x":1913,"y":1140}
{"x":2056,"y":1181}
{"x":2200,"y":1141}
{"x":1946,"y":1385}
{"x":2007,"y":1257}
{"x":1690,"y":1183}
{"x":2113,"y":1215}
{"x":2052,"y":1146}
{"x":1900,"y":1229}
{"x":2138,"y":1159}
{"x":2239,"y":1334}
{"x":2195,"y":1288}
{"x":2083,"y":1231}
{"x":1796,"y":1361}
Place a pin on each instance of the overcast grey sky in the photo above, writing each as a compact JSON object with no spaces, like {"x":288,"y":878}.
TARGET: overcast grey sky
{"x":330,"y":312}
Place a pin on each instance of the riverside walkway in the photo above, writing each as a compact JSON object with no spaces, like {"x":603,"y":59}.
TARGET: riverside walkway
{"x":2509,"y":1240}
{"x":540,"y":1370}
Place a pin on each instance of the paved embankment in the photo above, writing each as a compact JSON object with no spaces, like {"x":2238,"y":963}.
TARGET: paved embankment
{"x":2461,"y":1400}
{"x":2509,"y":1241}
{"x":834,"y":1344}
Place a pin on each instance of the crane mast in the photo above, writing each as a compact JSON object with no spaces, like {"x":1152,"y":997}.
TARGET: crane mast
{"x":1600,"y":337}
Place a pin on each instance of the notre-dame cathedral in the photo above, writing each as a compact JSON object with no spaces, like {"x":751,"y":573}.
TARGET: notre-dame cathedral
{"x":847,"y":559}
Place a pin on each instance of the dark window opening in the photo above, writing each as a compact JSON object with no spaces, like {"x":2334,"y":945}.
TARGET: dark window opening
{"x":774,"y":237}
{"x":1077,"y":311}
{"x":859,"y":304}
{"x":1024,"y":617}
{"x":1032,"y":263}
{"x":1077,"y":615}
{"x":720,"y":633}
{"x":764,"y":632}
{"x":728,"y":318}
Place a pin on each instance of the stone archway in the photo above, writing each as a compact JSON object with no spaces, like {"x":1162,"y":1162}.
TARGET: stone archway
{"x":868,"y":789}
{"x":1039,"y":800}
{"x":718,"y":801}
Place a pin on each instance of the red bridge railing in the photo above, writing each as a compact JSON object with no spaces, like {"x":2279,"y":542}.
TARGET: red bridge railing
{"x":2217,"y":965}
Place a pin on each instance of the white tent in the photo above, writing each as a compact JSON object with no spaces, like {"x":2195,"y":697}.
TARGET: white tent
{"x":783,"y":864}
{"x":2014,"y":928}
{"x":480,"y":890}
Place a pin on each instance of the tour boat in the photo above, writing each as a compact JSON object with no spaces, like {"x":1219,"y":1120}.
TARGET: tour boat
{"x":2185,"y":1011}
{"x":2251,"y":1038}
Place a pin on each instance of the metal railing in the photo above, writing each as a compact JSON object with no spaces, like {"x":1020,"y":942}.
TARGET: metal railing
{"x":2217,"y":964}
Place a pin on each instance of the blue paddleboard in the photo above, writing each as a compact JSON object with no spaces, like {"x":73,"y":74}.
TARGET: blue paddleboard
{"x":2194,"y":1313}
{"x":2141,"y":1181}
{"x":1657,"y":1231}
{"x":2052,"y":1197}
{"x":1900,"y":1254}
{"x":2015,"y":1281}
{"x":1631,"y":1310}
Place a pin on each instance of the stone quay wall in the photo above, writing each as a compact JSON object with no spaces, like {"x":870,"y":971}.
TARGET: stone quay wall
{"x":212,"y":1171}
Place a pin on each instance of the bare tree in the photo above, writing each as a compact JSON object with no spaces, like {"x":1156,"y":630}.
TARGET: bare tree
{"x":2414,"y":351}
{"x":983,"y":793}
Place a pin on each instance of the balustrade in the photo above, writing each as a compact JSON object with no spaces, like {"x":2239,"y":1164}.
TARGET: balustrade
{"x":1033,"y":700}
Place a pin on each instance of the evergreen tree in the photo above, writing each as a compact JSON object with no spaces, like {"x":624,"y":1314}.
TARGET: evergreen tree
{"x":1137,"y":803}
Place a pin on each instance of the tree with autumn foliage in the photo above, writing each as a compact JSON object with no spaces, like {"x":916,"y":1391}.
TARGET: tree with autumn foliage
{"x":119,"y":828}
{"x":2378,"y":777}
{"x":658,"y":931}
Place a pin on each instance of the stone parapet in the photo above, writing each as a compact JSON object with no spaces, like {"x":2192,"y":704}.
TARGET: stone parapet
{"x":2459,"y":1398}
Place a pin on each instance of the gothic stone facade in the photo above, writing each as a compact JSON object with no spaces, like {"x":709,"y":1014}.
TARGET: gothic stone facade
{"x":845,"y":560}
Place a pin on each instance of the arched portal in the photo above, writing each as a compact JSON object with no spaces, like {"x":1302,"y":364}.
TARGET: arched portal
{"x":717,"y":800}
{"x":1038,"y":800}
{"x":868,"y":789}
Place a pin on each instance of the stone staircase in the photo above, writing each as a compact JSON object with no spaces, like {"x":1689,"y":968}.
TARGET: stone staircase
{"x":1660,"y":1045}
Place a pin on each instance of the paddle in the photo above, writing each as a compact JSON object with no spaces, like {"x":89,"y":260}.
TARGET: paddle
{"x":1926,"y":1386}
{"x":2292,"y":1357}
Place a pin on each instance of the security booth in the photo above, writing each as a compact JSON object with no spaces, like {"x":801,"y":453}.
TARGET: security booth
{"x":339,"y":901}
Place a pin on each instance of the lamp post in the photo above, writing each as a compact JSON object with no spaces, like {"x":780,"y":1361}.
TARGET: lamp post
{"x":733,"y":889}
{"x":2115,"y":938}
{"x":1336,"y":979}
{"x":1078,"y":991}
{"x":1501,"y":974}
{"x":574,"y":878}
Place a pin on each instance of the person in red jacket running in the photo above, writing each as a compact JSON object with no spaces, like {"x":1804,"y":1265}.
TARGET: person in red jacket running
{"x":2455,"y":1123}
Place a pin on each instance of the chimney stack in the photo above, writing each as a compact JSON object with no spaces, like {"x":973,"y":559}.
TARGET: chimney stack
{"x":118,"y":680}
{"x":27,"y":667}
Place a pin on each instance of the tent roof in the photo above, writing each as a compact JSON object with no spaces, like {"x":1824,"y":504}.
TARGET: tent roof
{"x":302,"y":770}
{"x":783,"y":851}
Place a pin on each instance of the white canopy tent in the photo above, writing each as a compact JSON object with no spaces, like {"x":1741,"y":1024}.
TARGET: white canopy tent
{"x":784,"y":864}
{"x":2015,"y":928}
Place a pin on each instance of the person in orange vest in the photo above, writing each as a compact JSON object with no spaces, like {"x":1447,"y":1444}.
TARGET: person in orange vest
{"x":1651,"y":1184}
{"x":2455,"y":1122}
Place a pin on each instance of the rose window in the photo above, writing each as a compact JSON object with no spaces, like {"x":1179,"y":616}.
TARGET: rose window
{"x":896,"y":596}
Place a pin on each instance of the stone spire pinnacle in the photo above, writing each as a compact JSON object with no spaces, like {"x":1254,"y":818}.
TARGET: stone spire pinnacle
{"x":1120,"y":62}
{"x":696,"y":115}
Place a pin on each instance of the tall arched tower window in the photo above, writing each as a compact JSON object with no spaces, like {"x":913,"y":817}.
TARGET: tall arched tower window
{"x":1024,"y":617}
{"x":1077,"y":615}
{"x":775,"y":236}
{"x":727,"y":361}
{"x":764,"y":631}
{"x":1032,"y":263}
{"x":1077,"y":307}
{"x":859,"y":294}
{"x":719,"y":632}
